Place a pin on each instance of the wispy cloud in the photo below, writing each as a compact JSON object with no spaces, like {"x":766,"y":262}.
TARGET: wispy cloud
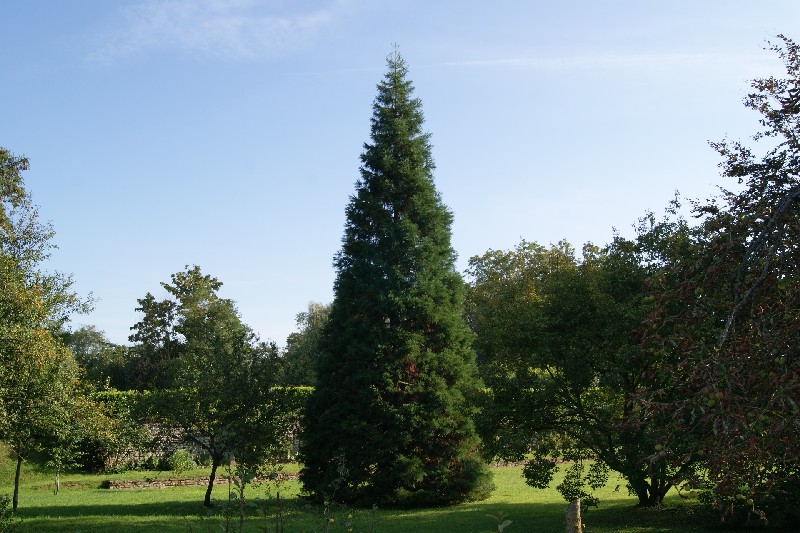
{"x":620,"y":61}
{"x":233,"y":29}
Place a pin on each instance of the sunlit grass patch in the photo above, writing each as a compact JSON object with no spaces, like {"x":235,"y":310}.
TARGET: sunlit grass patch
{"x":83,"y":506}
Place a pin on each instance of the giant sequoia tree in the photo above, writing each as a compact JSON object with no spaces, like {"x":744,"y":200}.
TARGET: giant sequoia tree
{"x":390,"y":419}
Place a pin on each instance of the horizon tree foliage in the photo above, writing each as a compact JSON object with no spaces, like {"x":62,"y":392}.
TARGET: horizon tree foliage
{"x":390,"y":421}
{"x":38,"y":377}
{"x":727,"y":319}
{"x":557,"y":340}
{"x":156,"y":347}
{"x":103,"y":363}
{"x":298,"y":365}
{"x":219,"y":397}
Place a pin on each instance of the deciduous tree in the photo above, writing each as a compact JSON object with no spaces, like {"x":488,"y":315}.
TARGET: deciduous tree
{"x":303,"y":347}
{"x":559,"y":349}
{"x":156,"y":345}
{"x":38,"y":376}
{"x":220,"y":398}
{"x":102,"y":362}
{"x":726,"y":323}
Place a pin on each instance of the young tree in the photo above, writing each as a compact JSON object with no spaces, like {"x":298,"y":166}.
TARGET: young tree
{"x":220,"y":398}
{"x":37,"y":374}
{"x":390,"y":420}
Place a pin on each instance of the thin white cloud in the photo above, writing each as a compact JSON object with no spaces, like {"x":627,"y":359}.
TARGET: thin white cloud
{"x":232,"y":29}
{"x":622,"y":61}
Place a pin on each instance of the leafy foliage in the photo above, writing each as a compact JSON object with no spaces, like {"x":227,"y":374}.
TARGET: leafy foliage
{"x":726,"y":322}
{"x":221,"y":377}
{"x":299,"y":362}
{"x":397,"y":374}
{"x":180,"y":461}
{"x":156,"y":344}
{"x":39,"y":389}
{"x":103,"y":363}
{"x":558,"y":346}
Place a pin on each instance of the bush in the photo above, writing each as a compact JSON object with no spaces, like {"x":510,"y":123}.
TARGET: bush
{"x":204,"y":459}
{"x":180,"y":461}
{"x":8,"y":522}
{"x":119,"y":437}
{"x":151,"y":462}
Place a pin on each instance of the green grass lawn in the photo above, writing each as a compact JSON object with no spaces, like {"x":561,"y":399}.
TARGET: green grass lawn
{"x":82,"y":506}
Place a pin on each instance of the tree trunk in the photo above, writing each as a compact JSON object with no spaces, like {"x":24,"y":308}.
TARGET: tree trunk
{"x":642,"y":490}
{"x":659,"y":487}
{"x":214,"y":464}
{"x":15,"y":501}
{"x":644,"y":497}
{"x":650,"y":494}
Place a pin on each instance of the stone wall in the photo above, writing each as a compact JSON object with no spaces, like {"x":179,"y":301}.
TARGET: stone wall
{"x":176,"y":482}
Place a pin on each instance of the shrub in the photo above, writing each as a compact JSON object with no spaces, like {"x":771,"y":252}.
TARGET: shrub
{"x":180,"y":461}
{"x":149,"y":463}
{"x":8,"y":522}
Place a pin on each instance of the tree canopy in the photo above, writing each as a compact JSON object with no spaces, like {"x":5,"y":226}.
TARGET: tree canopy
{"x":299,"y":361}
{"x":558,"y":346}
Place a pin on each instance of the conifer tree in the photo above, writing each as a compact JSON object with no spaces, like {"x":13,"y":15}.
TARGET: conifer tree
{"x":390,"y":421}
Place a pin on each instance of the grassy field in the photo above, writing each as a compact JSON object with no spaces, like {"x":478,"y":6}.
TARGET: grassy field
{"x":83,"y":506}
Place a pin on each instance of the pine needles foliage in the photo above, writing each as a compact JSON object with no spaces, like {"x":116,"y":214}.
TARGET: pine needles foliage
{"x":390,"y":421}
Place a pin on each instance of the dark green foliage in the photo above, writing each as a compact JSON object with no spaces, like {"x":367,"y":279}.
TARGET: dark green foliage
{"x":156,"y":345}
{"x":103,"y":363}
{"x":397,"y":376}
{"x":12,"y":194}
{"x":558,"y":345}
{"x":8,"y":522}
{"x":726,"y":320}
{"x":577,"y":476}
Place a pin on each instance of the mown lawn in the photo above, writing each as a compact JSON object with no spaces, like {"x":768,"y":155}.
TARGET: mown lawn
{"x":82,"y":506}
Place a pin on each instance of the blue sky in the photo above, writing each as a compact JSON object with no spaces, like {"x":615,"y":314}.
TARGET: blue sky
{"x":226,"y":133}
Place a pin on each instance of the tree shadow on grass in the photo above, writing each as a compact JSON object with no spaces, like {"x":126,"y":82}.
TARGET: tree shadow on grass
{"x":160,"y":506}
{"x":179,"y":516}
{"x":667,"y":519}
{"x":611,"y":517}
{"x":170,"y":516}
{"x":115,"y":518}
{"x":477,"y":517}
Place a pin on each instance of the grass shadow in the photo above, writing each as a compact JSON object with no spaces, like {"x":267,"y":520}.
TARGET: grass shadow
{"x":181,"y":510}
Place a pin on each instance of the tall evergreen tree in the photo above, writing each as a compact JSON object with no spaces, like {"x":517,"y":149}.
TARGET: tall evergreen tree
{"x":390,"y":421}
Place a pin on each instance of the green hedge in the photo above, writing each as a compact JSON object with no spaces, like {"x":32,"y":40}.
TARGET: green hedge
{"x":291,"y":400}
